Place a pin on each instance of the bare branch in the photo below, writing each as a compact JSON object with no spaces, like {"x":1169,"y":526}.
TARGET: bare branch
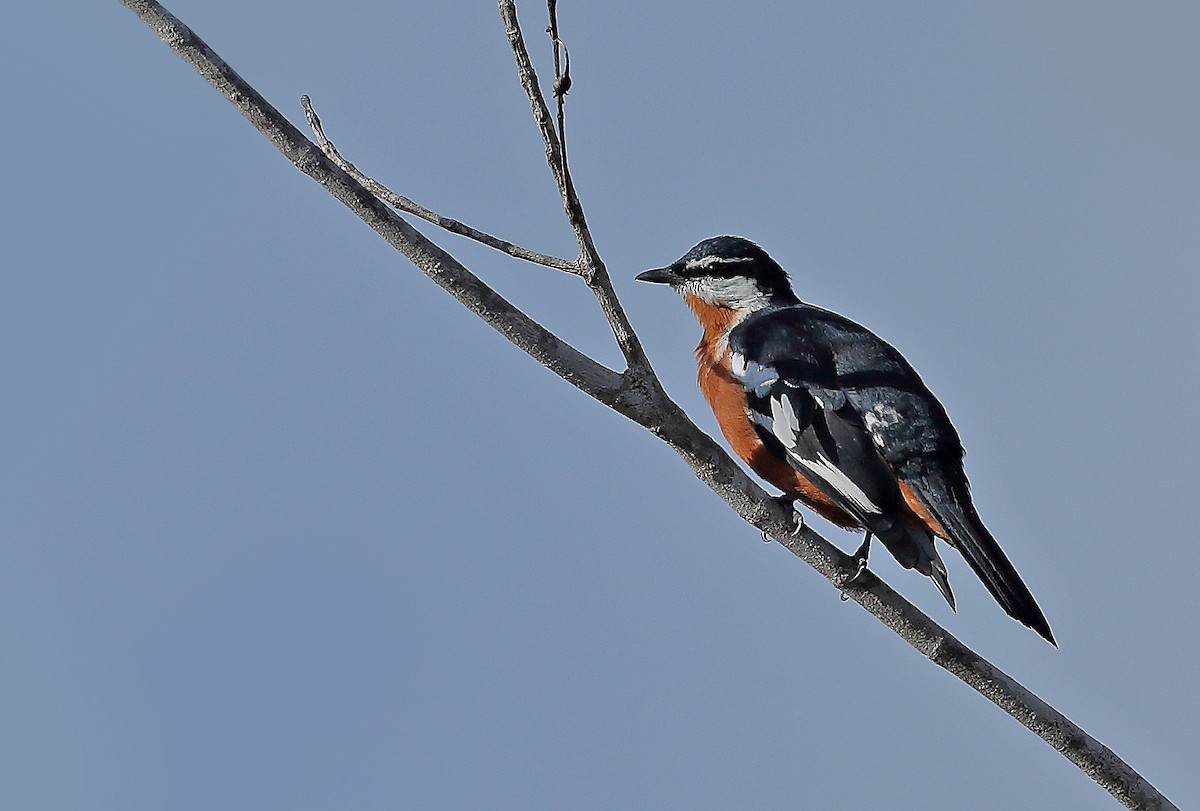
{"x":541,"y":344}
{"x":402,"y":203}
{"x":590,"y":264}
{"x":640,"y":397}
{"x":562,"y":82}
{"x":562,"y":78}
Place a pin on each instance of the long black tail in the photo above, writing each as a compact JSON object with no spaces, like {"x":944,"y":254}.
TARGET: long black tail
{"x":950,"y":504}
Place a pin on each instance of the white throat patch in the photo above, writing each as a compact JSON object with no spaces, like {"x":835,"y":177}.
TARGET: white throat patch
{"x":734,"y":292}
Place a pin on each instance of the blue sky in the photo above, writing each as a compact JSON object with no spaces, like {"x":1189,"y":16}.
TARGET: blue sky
{"x":282,"y":525}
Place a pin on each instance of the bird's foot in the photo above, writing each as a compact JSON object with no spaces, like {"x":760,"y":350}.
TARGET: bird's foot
{"x":788,"y":503}
{"x":860,"y":558}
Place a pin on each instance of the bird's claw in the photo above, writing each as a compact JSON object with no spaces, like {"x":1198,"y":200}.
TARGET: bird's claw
{"x":860,"y":559}
{"x":862,"y":567}
{"x":788,"y":503}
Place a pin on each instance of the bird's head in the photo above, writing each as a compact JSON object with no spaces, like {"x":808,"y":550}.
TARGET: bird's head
{"x":728,"y":272}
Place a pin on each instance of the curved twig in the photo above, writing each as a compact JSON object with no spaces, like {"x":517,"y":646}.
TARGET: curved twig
{"x":402,"y":203}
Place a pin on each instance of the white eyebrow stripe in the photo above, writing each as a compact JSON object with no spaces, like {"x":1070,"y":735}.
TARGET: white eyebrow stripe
{"x":705,"y":262}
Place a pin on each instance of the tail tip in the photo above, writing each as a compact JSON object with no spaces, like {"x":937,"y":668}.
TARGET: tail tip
{"x":1036,"y":621}
{"x":940,"y":579}
{"x":1043,"y":630}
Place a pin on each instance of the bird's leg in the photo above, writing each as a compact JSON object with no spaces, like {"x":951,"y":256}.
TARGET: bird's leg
{"x":860,"y":557}
{"x":788,"y":503}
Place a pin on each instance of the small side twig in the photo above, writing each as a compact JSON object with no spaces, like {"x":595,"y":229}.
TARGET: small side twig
{"x":562,"y":78}
{"x":402,"y":203}
{"x":562,"y":84}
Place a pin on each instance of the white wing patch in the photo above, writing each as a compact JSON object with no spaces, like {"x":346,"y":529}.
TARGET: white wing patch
{"x":880,"y":414}
{"x":840,"y":482}
{"x":737,"y":365}
{"x":783,"y":423}
{"x":876,"y":419}
{"x":753,"y":376}
{"x":758,"y":379}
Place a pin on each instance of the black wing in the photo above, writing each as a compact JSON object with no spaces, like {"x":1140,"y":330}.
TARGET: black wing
{"x":802,"y":414}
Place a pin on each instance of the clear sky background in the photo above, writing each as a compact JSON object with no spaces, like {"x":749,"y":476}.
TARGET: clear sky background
{"x":283,"y":526}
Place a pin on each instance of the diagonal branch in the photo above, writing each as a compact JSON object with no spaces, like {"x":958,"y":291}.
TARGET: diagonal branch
{"x":641,"y":399}
{"x":402,"y":203}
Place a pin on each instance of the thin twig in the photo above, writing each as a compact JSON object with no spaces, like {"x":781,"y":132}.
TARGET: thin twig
{"x":562,"y":80}
{"x":651,"y":408}
{"x":402,"y":203}
{"x":590,"y":264}
{"x":562,"y":85}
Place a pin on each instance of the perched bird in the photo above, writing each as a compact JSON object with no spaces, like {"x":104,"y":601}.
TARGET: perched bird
{"x":836,"y":418}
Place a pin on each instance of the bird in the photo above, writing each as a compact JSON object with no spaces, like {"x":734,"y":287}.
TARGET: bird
{"x":835,"y":417}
